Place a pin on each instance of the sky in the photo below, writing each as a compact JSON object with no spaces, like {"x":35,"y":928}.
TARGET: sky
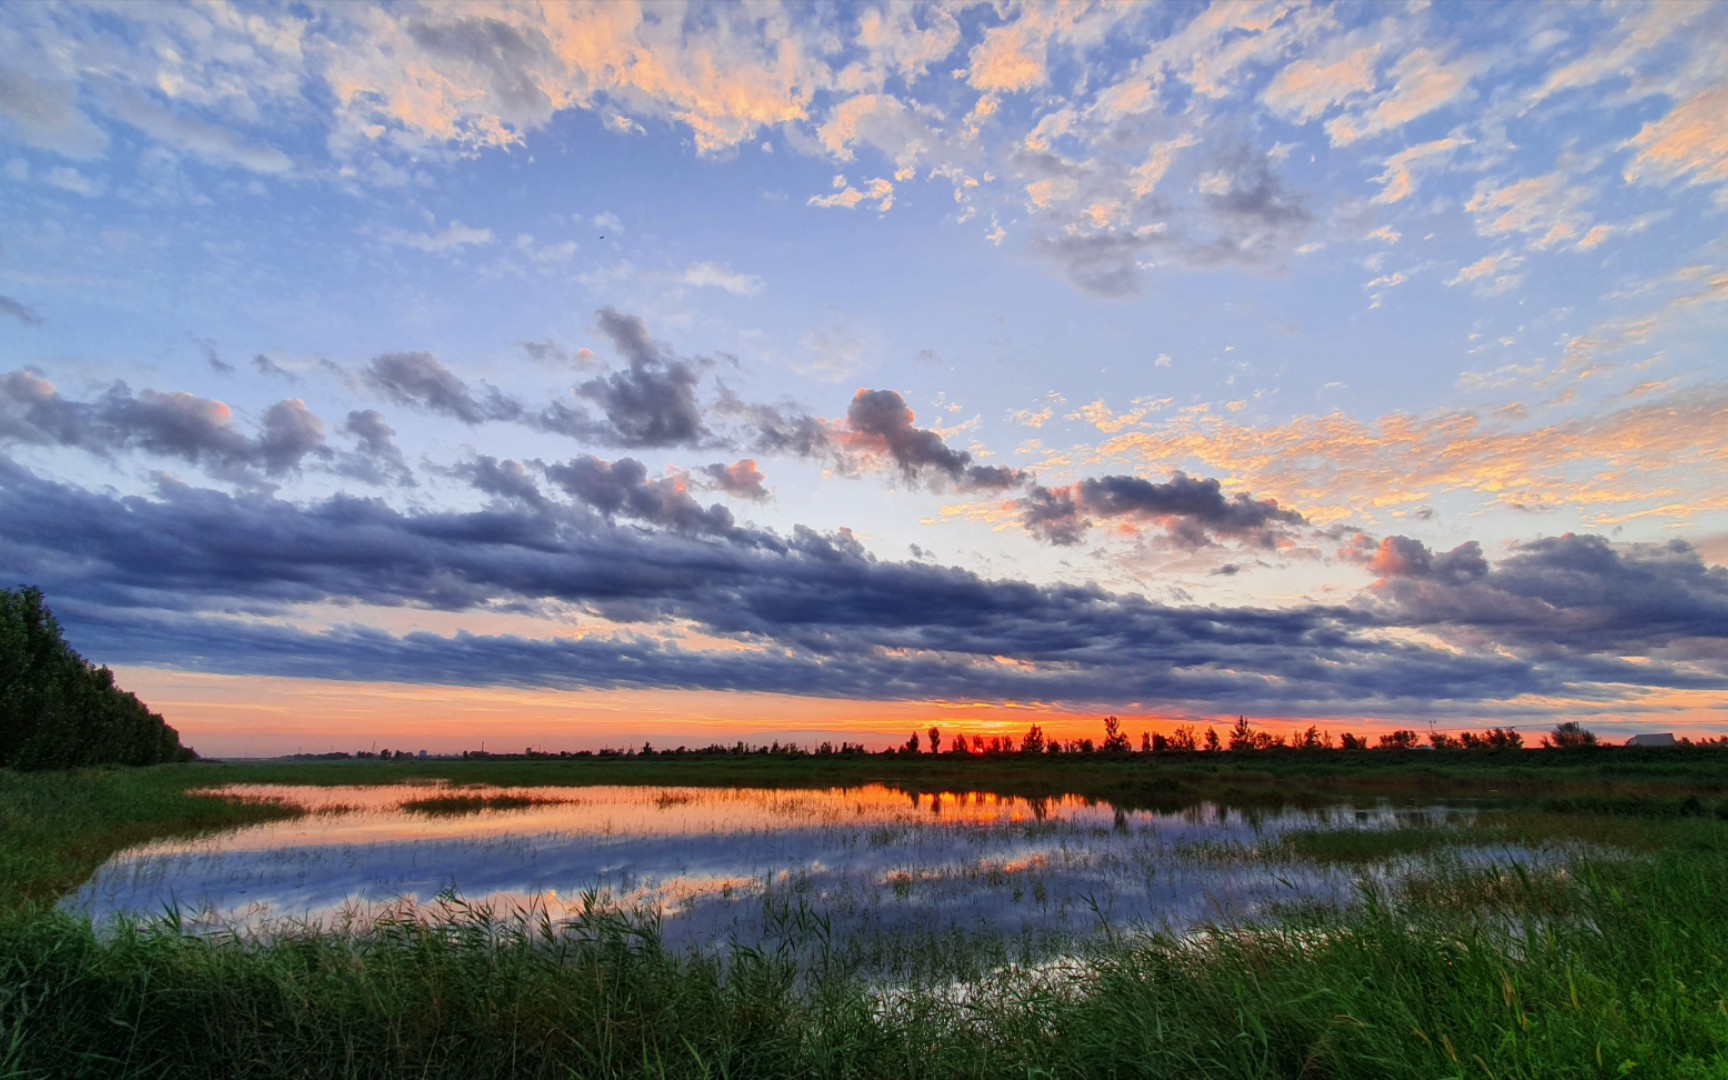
{"x":568,"y":376}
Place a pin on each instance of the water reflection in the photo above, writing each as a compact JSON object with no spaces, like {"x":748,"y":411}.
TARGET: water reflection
{"x":886,"y":869}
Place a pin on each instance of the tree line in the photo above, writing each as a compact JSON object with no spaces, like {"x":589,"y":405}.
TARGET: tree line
{"x":58,"y":710}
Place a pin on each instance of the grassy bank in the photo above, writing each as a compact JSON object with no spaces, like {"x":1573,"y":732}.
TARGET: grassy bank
{"x":1614,"y":963}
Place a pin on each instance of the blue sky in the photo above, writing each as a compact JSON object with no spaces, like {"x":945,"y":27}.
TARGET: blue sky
{"x":687,"y":370}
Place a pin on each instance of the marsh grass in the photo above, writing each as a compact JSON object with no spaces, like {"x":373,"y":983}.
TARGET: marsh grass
{"x":56,"y":828}
{"x":1609,"y":959}
{"x":1614,"y":967}
{"x":458,"y":803}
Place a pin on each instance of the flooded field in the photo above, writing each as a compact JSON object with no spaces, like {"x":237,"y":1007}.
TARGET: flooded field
{"x":888,"y":878}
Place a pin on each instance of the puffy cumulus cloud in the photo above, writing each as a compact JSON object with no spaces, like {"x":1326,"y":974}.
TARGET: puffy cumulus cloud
{"x":502,"y":479}
{"x":1649,"y":458}
{"x":815,"y":613}
{"x":880,"y":423}
{"x":1192,"y":511}
{"x":741,"y":479}
{"x":175,"y":424}
{"x":376,"y":458}
{"x":1577,"y":593}
{"x":650,"y":403}
{"x":1402,"y":557}
{"x":622,"y":489}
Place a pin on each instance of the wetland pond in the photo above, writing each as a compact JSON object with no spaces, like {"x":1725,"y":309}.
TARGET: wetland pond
{"x":890,"y":879}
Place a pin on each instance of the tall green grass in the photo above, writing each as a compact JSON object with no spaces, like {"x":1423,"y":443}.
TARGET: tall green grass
{"x":1611,"y":960}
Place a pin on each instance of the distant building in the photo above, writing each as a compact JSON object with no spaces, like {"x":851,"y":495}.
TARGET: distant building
{"x":1654,"y":738}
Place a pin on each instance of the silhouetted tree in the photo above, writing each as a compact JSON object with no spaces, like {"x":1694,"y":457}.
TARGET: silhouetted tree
{"x":57,"y":710}
{"x":1184,"y":739}
{"x":1439,"y":740}
{"x":1570,"y":736}
{"x":1352,"y":742}
{"x":911,"y":746}
{"x":1033,"y":741}
{"x":935,"y":736}
{"x":1212,"y":743}
{"x":1241,"y":734}
{"x":1401,"y":739}
{"x":1114,"y":741}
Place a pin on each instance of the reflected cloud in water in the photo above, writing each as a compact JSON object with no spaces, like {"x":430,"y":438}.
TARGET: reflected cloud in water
{"x":717,"y":865}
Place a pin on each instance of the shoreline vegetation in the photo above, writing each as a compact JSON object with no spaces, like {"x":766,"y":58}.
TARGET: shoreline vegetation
{"x":1612,"y":963}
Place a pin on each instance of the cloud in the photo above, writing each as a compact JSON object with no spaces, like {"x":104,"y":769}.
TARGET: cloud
{"x":741,"y":479}
{"x":1644,"y":30}
{"x":1549,"y":207}
{"x":1306,"y":88}
{"x":21,"y":312}
{"x":418,"y":379}
{"x":720,"y":276}
{"x":1571,"y":592}
{"x":1690,"y":144}
{"x":651,"y":403}
{"x":879,"y":422}
{"x":453,"y":237}
{"x":177,"y":424}
{"x":1646,"y":458}
{"x":1422,"y":82}
{"x":43,"y":112}
{"x":547,"y":351}
{"x":212,"y":142}
{"x":622,"y":489}
{"x":1403,"y":167}
{"x":1192,"y":511}
{"x":151,"y":580}
{"x":377,"y":459}
{"x":267,"y":366}
{"x":504,"y":479}
{"x":846,"y":197}
{"x":485,"y":76}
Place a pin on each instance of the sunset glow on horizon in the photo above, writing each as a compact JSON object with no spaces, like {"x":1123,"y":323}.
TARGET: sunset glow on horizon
{"x":567,"y":376}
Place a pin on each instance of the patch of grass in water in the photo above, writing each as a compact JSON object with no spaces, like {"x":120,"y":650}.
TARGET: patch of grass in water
{"x":1369,"y":845}
{"x":452,"y":805}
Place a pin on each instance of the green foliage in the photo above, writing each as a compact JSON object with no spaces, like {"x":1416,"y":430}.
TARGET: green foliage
{"x":57,"y":710}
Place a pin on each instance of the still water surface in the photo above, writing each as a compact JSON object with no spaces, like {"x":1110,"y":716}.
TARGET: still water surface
{"x":722,"y":867}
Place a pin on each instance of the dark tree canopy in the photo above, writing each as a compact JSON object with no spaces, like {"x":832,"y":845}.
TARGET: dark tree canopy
{"x":57,"y":710}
